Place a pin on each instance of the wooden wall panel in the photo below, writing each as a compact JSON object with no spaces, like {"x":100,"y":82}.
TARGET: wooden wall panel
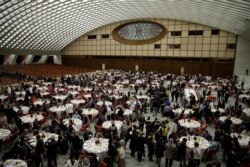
{"x":161,"y":65}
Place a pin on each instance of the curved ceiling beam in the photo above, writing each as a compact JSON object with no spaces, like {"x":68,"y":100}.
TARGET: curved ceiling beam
{"x":53,"y":24}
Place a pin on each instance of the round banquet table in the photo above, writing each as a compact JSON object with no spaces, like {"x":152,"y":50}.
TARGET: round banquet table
{"x":233,"y":119}
{"x":126,"y":112}
{"x":44,"y":93}
{"x":87,"y":96}
{"x":23,"y":93}
{"x":203,"y":143}
{"x":107,"y":103}
{"x":87,"y":89}
{"x":178,"y":111}
{"x":243,"y":139}
{"x":189,"y":123}
{"x":58,"y":109}
{"x":3,"y":97}
{"x":24,"y":109}
{"x":38,"y":102}
{"x":30,"y":119}
{"x":90,"y":111}
{"x":60,"y":97}
{"x":15,"y":163}
{"x":195,"y":85}
{"x":213,"y":87}
{"x":108,"y":124}
{"x":100,"y":150}
{"x":4,"y":134}
{"x":73,"y":93}
{"x":44,"y":136}
{"x":77,"y":123}
{"x":77,"y":102}
{"x":221,"y":110}
{"x":74,"y":87}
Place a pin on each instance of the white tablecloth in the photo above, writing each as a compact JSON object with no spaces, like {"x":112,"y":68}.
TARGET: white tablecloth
{"x":188,"y":92}
{"x":47,"y":83}
{"x":42,"y":89}
{"x":91,"y":111}
{"x":44,"y":136}
{"x":118,"y":124}
{"x":107,"y":103}
{"x":3,"y":97}
{"x":233,"y":119}
{"x":77,"y":102}
{"x":25,"y":109}
{"x":178,"y":111}
{"x":195,"y":85}
{"x":244,"y":96}
{"x":44,"y":93}
{"x":15,"y":163}
{"x":100,"y":150}
{"x":38,"y":102}
{"x":87,"y":89}
{"x":221,"y":110}
{"x":74,"y":87}
{"x":203,"y":143}
{"x":29,"y":119}
{"x":60,"y":97}
{"x":87,"y":96}
{"x":23,"y":93}
{"x":243,"y":139}
{"x":77,"y":123}
{"x":57,"y":109}
{"x":127,"y":112}
{"x":189,"y":123}
{"x":74,"y":93}
{"x":213,"y":87}
{"x":247,"y":111}
{"x":4,"y":134}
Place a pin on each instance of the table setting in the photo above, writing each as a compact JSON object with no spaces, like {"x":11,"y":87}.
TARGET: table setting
{"x":98,"y":146}
{"x":189,"y":123}
{"x":77,"y":123}
{"x":15,"y":163}
{"x":44,"y":136}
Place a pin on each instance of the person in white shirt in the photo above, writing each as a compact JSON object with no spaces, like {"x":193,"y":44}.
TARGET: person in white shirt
{"x":197,"y":154}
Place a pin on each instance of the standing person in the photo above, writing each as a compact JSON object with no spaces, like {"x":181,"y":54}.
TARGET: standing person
{"x":171,"y":152}
{"x":151,"y":146}
{"x":140,"y":147}
{"x":39,"y":151}
{"x":197,"y":154}
{"x":159,"y":151}
{"x":52,"y":152}
{"x":182,"y":152}
{"x":122,"y":154}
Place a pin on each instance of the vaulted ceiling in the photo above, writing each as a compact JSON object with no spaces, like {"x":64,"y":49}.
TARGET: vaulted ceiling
{"x":50,"y":25}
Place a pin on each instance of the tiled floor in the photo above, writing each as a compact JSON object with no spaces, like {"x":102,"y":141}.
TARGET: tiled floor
{"x":133,"y":162}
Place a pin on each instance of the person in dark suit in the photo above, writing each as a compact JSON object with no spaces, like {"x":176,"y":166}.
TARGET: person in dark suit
{"x":52,"y":151}
{"x":39,"y":151}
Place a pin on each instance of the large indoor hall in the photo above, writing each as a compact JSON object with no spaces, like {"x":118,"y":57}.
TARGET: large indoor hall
{"x":124,"y":83}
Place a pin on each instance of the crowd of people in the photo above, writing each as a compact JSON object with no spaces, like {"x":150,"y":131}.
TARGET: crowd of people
{"x":148,"y":95}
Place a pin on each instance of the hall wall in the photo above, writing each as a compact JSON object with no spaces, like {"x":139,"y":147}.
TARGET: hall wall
{"x":207,"y":48}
